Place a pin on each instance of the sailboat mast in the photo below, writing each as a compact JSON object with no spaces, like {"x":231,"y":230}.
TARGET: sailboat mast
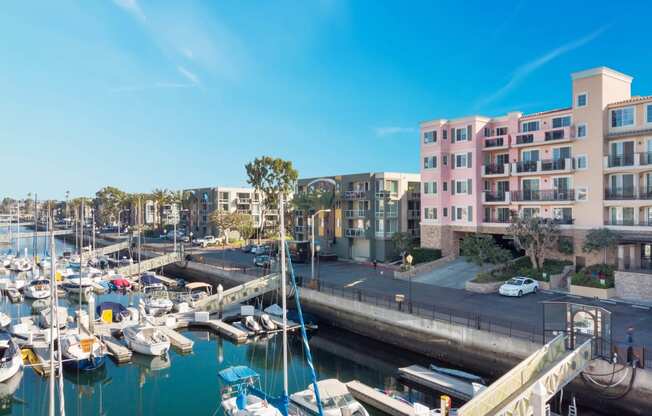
{"x":284,"y":300}
{"x":34,"y":240}
{"x":53,"y":306}
{"x":18,"y":232}
{"x":81,"y":263}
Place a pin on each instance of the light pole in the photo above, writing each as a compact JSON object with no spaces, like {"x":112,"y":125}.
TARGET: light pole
{"x":408,"y":260}
{"x":312,"y":245}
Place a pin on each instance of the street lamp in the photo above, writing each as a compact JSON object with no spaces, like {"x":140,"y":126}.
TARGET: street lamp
{"x":408,"y":260}
{"x":312,"y":245}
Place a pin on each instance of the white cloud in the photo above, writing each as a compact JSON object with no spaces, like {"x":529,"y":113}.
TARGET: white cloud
{"x":524,"y":70}
{"x":392,"y":130}
{"x":132,"y":7}
{"x":193,"y":78}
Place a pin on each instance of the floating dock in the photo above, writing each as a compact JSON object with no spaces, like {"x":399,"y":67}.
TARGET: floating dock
{"x":120,"y":353}
{"x":379,"y":400}
{"x":178,"y":341}
{"x":452,"y":386}
{"x":222,"y":328}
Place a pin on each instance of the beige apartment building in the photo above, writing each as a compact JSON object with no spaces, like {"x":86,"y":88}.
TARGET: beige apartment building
{"x":588,"y":166}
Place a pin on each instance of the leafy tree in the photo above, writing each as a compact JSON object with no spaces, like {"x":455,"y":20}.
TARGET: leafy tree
{"x":565,"y":245}
{"x":482,"y":248}
{"x":244,"y":224}
{"x":109,"y":200}
{"x":600,"y":239}
{"x":272,"y":178}
{"x":536,"y":235}
{"x":226,"y":221}
{"x":403,"y":242}
{"x":161,"y":197}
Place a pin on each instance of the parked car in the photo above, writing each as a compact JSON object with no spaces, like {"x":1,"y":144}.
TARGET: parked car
{"x":518,"y":286}
{"x":261,"y":250}
{"x":206,"y":241}
{"x":264,"y":260}
{"x":247,"y":248}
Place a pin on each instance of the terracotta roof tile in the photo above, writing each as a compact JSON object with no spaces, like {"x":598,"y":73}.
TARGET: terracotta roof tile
{"x":635,"y":99}
{"x":541,"y":113}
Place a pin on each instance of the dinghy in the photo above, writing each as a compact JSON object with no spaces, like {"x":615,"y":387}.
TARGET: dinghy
{"x":5,"y":320}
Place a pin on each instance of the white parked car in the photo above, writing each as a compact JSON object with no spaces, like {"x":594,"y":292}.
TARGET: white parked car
{"x":519,"y":286}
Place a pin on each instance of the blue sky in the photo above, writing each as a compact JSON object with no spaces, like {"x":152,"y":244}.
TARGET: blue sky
{"x":142,"y":94}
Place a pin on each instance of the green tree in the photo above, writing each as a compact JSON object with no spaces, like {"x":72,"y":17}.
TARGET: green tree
{"x":161,"y":197}
{"x":482,"y":248}
{"x":600,"y":239}
{"x":109,"y":200}
{"x":403,"y":242}
{"x":245,"y":226}
{"x":536,"y":235}
{"x":226,"y":221}
{"x":272,"y":178}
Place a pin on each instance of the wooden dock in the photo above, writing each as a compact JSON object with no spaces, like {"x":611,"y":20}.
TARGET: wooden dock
{"x":379,"y":400}
{"x":178,"y":341}
{"x":223,"y":328}
{"x":120,"y":353}
{"x":443,"y":383}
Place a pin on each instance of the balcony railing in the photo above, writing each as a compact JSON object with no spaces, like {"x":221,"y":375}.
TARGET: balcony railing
{"x":387,"y":213}
{"x":498,"y":219}
{"x":557,"y":134}
{"x":494,"y":169}
{"x":494,"y":142}
{"x":617,"y":161}
{"x":526,"y":166}
{"x":544,"y":195}
{"x":355,"y":232}
{"x":628,"y":222}
{"x":645,"y":158}
{"x":495,"y":196}
{"x":299,"y":228}
{"x":525,"y":138}
{"x":564,"y":220}
{"x":628,"y":193}
{"x":355,"y":213}
{"x":383,"y":194}
{"x":355,"y":195}
{"x":553,"y":164}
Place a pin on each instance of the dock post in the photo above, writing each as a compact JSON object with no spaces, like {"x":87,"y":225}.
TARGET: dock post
{"x":539,"y":400}
{"x":91,"y":313}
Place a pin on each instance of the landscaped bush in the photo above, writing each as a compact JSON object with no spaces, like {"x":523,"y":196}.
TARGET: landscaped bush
{"x":591,"y":276}
{"x":523,"y":267}
{"x":424,"y":255}
{"x":486,"y":277}
{"x":565,"y":245}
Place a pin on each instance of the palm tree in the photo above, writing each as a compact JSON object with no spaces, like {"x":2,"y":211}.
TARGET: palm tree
{"x":161,"y":197}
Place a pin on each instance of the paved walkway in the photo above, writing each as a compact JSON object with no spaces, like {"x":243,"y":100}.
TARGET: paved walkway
{"x":454,"y":274}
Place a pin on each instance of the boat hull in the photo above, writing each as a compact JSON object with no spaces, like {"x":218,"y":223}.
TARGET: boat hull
{"x":9,"y":369}
{"x":85,"y":364}
{"x":157,"y":349}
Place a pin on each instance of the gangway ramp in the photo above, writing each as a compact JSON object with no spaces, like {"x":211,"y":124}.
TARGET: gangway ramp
{"x":240,"y":293}
{"x":525,"y":389}
{"x":149,"y":264}
{"x":103,"y":251}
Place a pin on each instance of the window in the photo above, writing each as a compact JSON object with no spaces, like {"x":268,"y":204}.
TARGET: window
{"x":444,"y":159}
{"x":529,"y":212}
{"x":430,"y":162}
{"x":622,"y":117}
{"x":648,"y":110}
{"x":582,"y":193}
{"x":460,"y":135}
{"x":430,"y":213}
{"x":581,"y":131}
{"x":430,"y":137}
{"x":487,"y":132}
{"x":469,"y":213}
{"x":433,"y":187}
{"x":460,"y":187}
{"x":582,"y":100}
{"x":458,"y":214}
{"x":529,"y":126}
{"x":444,"y":134}
{"x":445,"y":187}
{"x":559,"y":122}
{"x":582,"y":162}
{"x":501,"y":131}
{"x":445,"y":212}
{"x":430,"y":187}
{"x":565,"y":215}
{"x":460,"y":161}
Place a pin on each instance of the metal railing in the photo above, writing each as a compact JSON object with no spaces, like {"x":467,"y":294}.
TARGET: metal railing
{"x":645,"y":158}
{"x":553,"y":164}
{"x":495,"y":142}
{"x":628,"y":222}
{"x":355,"y":194}
{"x":494,"y":196}
{"x":355,"y":232}
{"x":526,"y":166}
{"x":355,"y":213}
{"x":494,"y":169}
{"x":525,"y":138}
{"x":544,"y":195}
{"x":557,"y":134}
{"x":628,"y":193}
{"x":498,"y":219}
{"x":616,"y":161}
{"x":429,"y":311}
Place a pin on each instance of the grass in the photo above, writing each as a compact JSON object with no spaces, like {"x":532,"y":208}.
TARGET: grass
{"x":592,"y":276}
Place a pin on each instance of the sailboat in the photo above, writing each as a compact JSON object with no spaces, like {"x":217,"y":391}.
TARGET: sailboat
{"x":10,"y":359}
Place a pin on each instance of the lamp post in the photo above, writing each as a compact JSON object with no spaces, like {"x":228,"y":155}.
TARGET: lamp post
{"x":408,"y":260}
{"x":312,"y":245}
{"x":317,"y":249}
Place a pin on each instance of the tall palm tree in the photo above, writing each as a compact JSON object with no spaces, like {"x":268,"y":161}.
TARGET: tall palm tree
{"x":161,"y":197}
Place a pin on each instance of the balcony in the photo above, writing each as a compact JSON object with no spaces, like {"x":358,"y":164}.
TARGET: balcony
{"x":496,"y":197}
{"x":355,"y":195}
{"x":393,"y":213}
{"x":495,"y":170}
{"x":546,"y":195}
{"x":628,"y":222}
{"x":527,"y":167}
{"x":355,"y":213}
{"x":525,"y":138}
{"x":497,"y":219}
{"x":243,"y":200}
{"x":628,"y":193}
{"x":628,"y":161}
{"x":496,"y":143}
{"x":554,"y":135}
{"x":558,"y":135}
{"x":384,"y":194}
{"x":414,"y":195}
{"x":355,"y":232}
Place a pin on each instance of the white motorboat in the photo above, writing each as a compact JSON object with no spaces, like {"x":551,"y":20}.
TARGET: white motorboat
{"x":335,"y":398}
{"x":80,"y":286}
{"x":5,"y":320}
{"x":250,"y":323}
{"x":45,"y":263}
{"x":20,"y":264}
{"x":45,"y":318}
{"x":238,"y":397}
{"x":267,"y":322}
{"x":11,"y":360}
{"x":146,"y":339}
{"x":37,"y":289}
{"x":157,"y":300}
{"x":82,"y":354}
{"x":5,"y":260}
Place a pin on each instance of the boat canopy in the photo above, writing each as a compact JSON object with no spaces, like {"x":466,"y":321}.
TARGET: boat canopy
{"x":198,"y":285}
{"x":148,"y":279}
{"x":117,"y":308}
{"x":237,"y":374}
{"x":39,"y":282}
{"x":331,"y":388}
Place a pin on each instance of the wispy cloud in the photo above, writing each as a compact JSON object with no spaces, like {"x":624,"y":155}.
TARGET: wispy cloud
{"x":392,"y":130}
{"x":132,"y":7}
{"x":524,"y":70}
{"x":190,"y":76}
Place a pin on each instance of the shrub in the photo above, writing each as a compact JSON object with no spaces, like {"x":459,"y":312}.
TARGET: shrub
{"x":487,"y":277}
{"x":565,"y":245}
{"x":591,"y":276}
{"x":523,"y":267}
{"x":424,"y":255}
{"x":481,"y":249}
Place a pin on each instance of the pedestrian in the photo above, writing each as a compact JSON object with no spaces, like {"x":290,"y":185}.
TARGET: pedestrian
{"x":375,"y":265}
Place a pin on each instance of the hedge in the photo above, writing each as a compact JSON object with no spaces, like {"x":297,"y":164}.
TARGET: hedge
{"x":424,"y":255}
{"x":590,"y":276}
{"x":522,"y":266}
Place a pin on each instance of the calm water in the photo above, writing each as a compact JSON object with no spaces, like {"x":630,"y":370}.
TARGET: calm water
{"x":188,"y":384}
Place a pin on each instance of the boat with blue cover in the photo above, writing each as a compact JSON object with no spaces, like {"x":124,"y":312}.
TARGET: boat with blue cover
{"x":242,"y":394}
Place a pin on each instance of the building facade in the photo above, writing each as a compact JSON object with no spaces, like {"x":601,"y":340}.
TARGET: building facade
{"x":588,"y":166}
{"x":365,"y":211}
{"x":196,"y":214}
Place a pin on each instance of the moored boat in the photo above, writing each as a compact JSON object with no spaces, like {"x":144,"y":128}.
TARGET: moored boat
{"x":81,"y":353}
{"x":11,"y":360}
{"x":336,"y":400}
{"x":242,"y":395}
{"x":37,"y":289}
{"x":156,"y":299}
{"x":146,"y":339}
